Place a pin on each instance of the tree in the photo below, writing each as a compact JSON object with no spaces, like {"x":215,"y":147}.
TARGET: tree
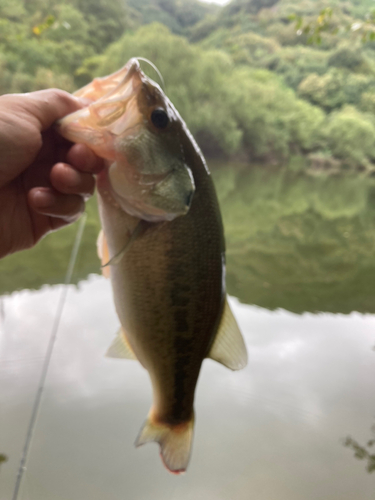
{"x":350,"y":135}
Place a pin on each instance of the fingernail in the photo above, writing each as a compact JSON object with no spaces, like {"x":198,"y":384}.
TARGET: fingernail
{"x":44,"y":199}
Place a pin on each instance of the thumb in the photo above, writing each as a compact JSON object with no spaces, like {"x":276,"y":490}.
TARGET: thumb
{"x":49,"y":105}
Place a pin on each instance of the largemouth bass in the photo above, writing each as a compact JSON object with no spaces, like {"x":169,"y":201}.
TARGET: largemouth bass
{"x":163,"y":242}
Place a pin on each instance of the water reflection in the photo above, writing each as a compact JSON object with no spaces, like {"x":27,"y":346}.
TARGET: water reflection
{"x":273,"y":431}
{"x":297,"y":241}
{"x":363,"y":452}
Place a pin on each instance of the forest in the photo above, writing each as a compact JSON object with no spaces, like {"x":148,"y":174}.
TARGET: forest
{"x":275,"y":82}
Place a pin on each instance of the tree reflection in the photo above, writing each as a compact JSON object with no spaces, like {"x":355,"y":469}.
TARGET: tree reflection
{"x":363,"y":452}
{"x":297,"y":240}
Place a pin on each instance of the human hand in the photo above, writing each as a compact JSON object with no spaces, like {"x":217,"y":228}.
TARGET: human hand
{"x":44,"y":180}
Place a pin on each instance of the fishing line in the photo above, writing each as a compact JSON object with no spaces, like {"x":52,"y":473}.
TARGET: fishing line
{"x":47,"y":359}
{"x":155,"y":68}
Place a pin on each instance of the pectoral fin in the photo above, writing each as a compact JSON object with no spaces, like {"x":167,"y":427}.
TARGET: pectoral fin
{"x":229,"y":347}
{"x":120,"y":347}
{"x":139,"y":229}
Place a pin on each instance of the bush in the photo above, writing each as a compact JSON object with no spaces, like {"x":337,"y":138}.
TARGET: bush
{"x":274,"y":121}
{"x":247,"y":48}
{"x":346,"y":57}
{"x":350,"y":135}
{"x":335,"y":88}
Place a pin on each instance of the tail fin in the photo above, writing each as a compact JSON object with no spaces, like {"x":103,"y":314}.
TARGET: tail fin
{"x":174,"y":440}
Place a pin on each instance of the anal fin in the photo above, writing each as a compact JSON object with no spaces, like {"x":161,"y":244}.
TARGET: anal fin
{"x":120,"y":347}
{"x":229,"y":347}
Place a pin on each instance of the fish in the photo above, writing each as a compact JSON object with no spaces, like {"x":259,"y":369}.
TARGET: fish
{"x":162,"y":246}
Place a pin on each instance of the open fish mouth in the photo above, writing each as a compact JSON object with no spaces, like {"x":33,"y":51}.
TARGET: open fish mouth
{"x":111,"y":110}
{"x":111,"y":85}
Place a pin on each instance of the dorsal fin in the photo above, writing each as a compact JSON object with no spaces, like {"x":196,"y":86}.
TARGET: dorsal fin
{"x":120,"y":347}
{"x":103,"y":253}
{"x":229,"y":347}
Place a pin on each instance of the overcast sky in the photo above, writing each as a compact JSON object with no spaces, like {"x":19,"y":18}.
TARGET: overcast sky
{"x":221,"y":2}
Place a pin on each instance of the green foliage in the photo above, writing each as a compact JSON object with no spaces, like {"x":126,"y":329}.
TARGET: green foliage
{"x":106,"y":19}
{"x":247,"y":6}
{"x":297,"y":63}
{"x":335,"y":88}
{"x":245,"y":48}
{"x":270,"y":116}
{"x":70,"y":23}
{"x":346,"y":57}
{"x":351,"y":136}
{"x":313,"y":30}
{"x":38,"y":35}
{"x":177,"y":15}
{"x":236,"y":89}
{"x":367,"y":103}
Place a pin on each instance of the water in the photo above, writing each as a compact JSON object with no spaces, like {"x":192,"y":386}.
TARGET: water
{"x":301,"y":269}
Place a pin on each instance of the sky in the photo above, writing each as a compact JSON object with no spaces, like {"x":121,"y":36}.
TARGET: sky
{"x":220,"y":2}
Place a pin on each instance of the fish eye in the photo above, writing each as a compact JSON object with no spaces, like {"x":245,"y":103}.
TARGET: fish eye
{"x":159,"y":118}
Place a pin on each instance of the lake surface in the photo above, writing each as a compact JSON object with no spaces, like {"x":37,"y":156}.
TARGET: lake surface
{"x":301,"y":275}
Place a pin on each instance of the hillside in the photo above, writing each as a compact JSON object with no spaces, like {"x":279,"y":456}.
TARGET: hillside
{"x":256,"y":80}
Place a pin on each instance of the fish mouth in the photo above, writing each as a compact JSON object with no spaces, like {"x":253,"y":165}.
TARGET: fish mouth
{"x":111,"y":110}
{"x":111,"y":85}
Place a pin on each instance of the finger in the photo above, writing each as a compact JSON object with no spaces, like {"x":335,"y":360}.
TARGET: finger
{"x":51,"y":203}
{"x":49,"y":105}
{"x":67,"y":180}
{"x":84,"y":159}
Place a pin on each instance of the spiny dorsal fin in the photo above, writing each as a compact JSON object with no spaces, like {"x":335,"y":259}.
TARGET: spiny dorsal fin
{"x":103,"y":253}
{"x":120,"y":347}
{"x":229,"y":347}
